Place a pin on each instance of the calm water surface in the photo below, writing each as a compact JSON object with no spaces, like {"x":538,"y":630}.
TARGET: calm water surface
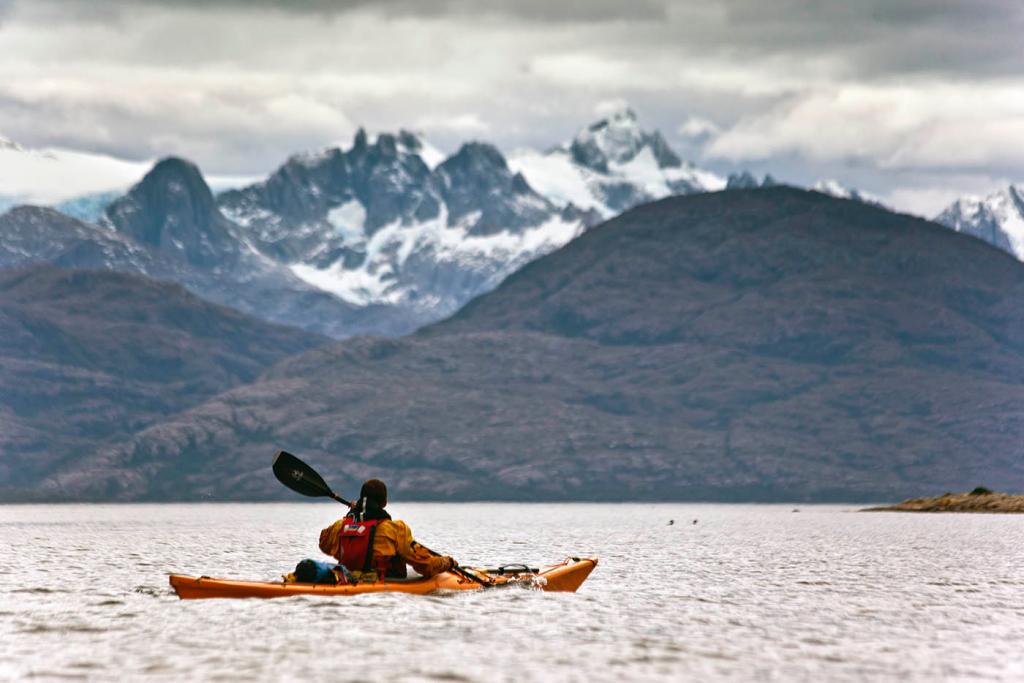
{"x":748,"y":593}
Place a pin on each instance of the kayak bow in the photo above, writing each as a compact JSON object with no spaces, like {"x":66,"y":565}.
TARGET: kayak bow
{"x":564,"y":577}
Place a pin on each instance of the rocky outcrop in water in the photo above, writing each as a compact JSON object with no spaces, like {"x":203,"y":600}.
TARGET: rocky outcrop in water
{"x":978,"y":500}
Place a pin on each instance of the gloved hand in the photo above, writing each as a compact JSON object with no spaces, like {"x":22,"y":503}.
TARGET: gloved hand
{"x":449,"y":563}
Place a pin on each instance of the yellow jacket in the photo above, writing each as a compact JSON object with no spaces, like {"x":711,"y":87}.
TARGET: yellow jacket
{"x":393,"y":537}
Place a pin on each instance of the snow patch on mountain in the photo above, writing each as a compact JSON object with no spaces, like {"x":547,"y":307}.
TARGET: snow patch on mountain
{"x":349,"y":220}
{"x":834,"y":188}
{"x":997,"y":218}
{"x":406,"y":238}
{"x":450,"y":250}
{"x":556,"y":177}
{"x":617,"y":138}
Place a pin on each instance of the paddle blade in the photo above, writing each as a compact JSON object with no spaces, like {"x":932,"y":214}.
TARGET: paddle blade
{"x":300,"y":477}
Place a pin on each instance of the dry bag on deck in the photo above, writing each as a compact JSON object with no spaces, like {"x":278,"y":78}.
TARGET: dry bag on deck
{"x":311,"y":571}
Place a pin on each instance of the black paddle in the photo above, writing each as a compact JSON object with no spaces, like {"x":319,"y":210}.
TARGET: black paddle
{"x":301,"y":478}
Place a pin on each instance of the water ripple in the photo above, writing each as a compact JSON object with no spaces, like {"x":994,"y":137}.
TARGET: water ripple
{"x":749,"y":593}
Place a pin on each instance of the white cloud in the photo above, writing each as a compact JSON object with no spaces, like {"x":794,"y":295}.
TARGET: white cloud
{"x":611,"y":106}
{"x":466,"y":124}
{"x":591,"y":71}
{"x":698,"y":128}
{"x":798,"y":89}
{"x":997,"y":141}
{"x":210,"y":118}
{"x":928,"y":126}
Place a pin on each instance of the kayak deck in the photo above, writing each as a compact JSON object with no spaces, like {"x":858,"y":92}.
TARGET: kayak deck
{"x":566,"y":576}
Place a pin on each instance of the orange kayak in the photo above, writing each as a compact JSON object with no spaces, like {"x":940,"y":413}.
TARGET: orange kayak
{"x":566,"y":576}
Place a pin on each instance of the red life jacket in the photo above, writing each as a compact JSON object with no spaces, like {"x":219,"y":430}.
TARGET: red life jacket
{"x":357,"y":550}
{"x":357,"y":543}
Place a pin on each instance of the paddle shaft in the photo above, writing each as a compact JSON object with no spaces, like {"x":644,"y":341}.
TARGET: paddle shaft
{"x":342,"y":500}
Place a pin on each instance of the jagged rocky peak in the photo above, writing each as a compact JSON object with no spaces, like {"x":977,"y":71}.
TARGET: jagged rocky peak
{"x":746,"y":180}
{"x":475,"y":159}
{"x":390,"y":146}
{"x":414,"y":143}
{"x":393,"y":183}
{"x":478,"y":185}
{"x":741,"y":181}
{"x":387,"y":143}
{"x":359,"y":140}
{"x":302,"y":188}
{"x":612,"y":165}
{"x":380,"y":226}
{"x":173,"y":209}
{"x":387,"y":178}
{"x":618,"y":139}
{"x":409,"y":141}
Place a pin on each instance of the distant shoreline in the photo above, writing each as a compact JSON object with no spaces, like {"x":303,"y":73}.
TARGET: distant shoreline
{"x":980,"y":500}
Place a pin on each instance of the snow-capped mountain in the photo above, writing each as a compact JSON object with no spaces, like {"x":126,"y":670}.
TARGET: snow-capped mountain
{"x":375,"y":239}
{"x":376,"y":225}
{"x":610,"y":166}
{"x":997,"y":218}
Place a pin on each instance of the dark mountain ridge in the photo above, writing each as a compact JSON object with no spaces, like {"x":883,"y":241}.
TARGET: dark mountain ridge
{"x":87,"y":356}
{"x":773,"y":274}
{"x":762,"y":344}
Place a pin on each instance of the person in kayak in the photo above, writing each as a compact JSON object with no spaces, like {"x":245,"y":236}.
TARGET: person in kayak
{"x":368,"y":540}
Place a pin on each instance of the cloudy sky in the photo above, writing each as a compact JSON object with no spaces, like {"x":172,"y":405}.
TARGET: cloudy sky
{"x":917,"y":101}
